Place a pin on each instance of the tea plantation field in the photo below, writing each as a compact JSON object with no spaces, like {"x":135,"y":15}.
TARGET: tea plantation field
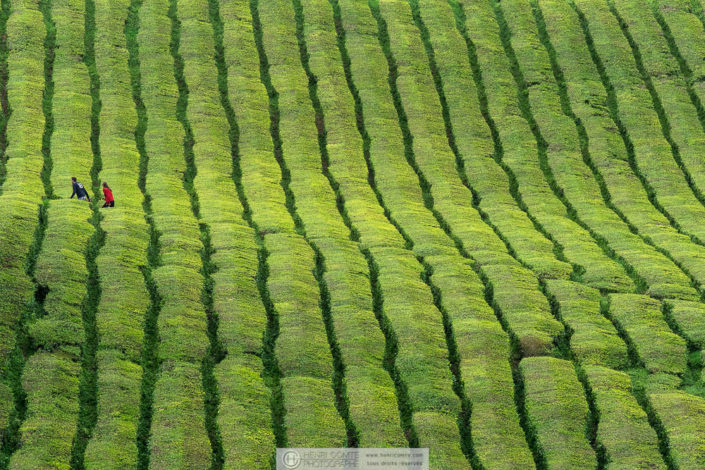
{"x":476,"y":226}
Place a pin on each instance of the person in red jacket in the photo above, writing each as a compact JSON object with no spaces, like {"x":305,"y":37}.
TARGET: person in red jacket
{"x":108,"y":193}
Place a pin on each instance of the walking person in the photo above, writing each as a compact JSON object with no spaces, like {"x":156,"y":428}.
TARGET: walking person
{"x":108,"y":193}
{"x":79,"y":191}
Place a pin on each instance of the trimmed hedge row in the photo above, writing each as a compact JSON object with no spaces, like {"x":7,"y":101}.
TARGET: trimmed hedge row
{"x":614,"y":166}
{"x":237,"y":307}
{"x":493,"y":185}
{"x":682,"y":417}
{"x":670,"y":91}
{"x":178,"y":435}
{"x":623,"y":431}
{"x":450,"y":275}
{"x":296,"y":284}
{"x":681,"y":24}
{"x":641,"y":321}
{"x":449,"y":201}
{"x":557,"y":412}
{"x":257,"y":176}
{"x":124,"y":298}
{"x":521,"y":153}
{"x":302,"y":351}
{"x":640,"y":123}
{"x":593,"y":338}
{"x":22,"y":189}
{"x":51,"y":374}
{"x":457,"y":291}
{"x":689,"y":318}
{"x":365,"y":219}
{"x":572,"y":175}
{"x":419,"y":366}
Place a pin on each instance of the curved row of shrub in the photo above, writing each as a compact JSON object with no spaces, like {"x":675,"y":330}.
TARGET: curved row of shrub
{"x":572,"y":175}
{"x":558,"y":412}
{"x":623,"y":431}
{"x":598,"y":350}
{"x":455,"y":287}
{"x":241,"y":316}
{"x":680,"y":24}
{"x":659,"y":349}
{"x":256,"y":176}
{"x":51,"y":374}
{"x":22,"y":189}
{"x":615,"y":169}
{"x":663,"y":388}
{"x":176,"y":407}
{"x":681,"y":415}
{"x":689,"y":320}
{"x":395,"y":180}
{"x":433,"y":160}
{"x":582,"y":325}
{"x":652,"y":152}
{"x":523,"y":155}
{"x":593,"y":339}
{"x":364,"y":218}
{"x":669,"y":89}
{"x":478,"y":157}
{"x":306,"y":371}
{"x":124,"y":298}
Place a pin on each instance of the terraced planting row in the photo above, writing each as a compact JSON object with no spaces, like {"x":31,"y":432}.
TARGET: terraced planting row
{"x":255,"y":173}
{"x":173,"y":394}
{"x":237,"y":311}
{"x":468,"y":226}
{"x":610,"y":160}
{"x":375,"y":108}
{"x":652,"y":152}
{"x":492,"y":183}
{"x":488,"y":251}
{"x":522,"y":151}
{"x":571,"y":174}
{"x":57,"y":334}
{"x":124,"y":296}
{"x":22,"y":190}
{"x":670,"y":91}
{"x":451,"y":297}
{"x":306,"y":372}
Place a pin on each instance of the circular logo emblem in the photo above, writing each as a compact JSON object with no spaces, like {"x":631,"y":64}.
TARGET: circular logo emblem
{"x":291,"y":459}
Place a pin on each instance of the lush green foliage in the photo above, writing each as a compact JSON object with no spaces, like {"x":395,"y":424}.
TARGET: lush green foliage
{"x":22,"y":188}
{"x":177,"y":401}
{"x":472,"y":226}
{"x":623,"y":431}
{"x":615,"y":168}
{"x":51,"y":377}
{"x":557,"y":412}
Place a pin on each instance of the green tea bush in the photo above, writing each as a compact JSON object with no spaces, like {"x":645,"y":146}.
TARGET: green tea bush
{"x":591,"y":103}
{"x":640,"y":319}
{"x":52,"y":373}
{"x":635,"y":108}
{"x":177,"y":404}
{"x":623,"y":430}
{"x":521,"y":149}
{"x":555,"y":404}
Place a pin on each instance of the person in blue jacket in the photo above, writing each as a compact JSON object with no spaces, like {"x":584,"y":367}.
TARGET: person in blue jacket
{"x":79,"y":190}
